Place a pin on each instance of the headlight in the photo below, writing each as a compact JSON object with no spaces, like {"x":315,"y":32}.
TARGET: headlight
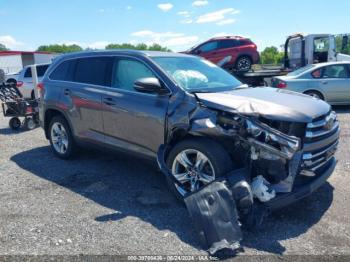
{"x":272,"y":140}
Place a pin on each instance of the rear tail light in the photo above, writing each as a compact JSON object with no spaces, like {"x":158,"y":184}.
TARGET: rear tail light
{"x":19,"y":83}
{"x":281,"y":84}
{"x":40,"y":86}
{"x":29,"y":110}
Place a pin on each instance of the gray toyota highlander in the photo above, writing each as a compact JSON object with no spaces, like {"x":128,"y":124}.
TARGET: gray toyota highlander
{"x":197,"y":120}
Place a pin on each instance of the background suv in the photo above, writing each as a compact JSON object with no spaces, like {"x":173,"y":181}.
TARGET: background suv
{"x":195,"y":118}
{"x":242,"y":52}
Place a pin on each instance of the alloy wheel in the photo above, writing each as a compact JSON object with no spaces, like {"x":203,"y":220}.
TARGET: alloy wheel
{"x":193,"y":170}
{"x":59,"y":138}
{"x":243,"y":64}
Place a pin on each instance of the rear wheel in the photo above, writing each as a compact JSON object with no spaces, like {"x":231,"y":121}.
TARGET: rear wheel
{"x":244,"y":64}
{"x":61,"y":139}
{"x":195,"y":163}
{"x":29,"y":123}
{"x":315,"y":94}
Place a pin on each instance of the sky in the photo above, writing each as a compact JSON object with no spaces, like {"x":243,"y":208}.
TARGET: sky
{"x":177,"y":24}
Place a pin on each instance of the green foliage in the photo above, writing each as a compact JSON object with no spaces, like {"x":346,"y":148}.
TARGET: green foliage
{"x":154,"y":47}
{"x":3,"y":47}
{"x":271,"y":55}
{"x":60,"y":48}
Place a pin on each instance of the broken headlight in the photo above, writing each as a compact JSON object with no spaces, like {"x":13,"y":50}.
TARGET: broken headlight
{"x":271,"y":141}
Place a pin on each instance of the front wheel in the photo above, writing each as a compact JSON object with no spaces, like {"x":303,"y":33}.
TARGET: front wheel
{"x":61,"y":139}
{"x":195,"y":163}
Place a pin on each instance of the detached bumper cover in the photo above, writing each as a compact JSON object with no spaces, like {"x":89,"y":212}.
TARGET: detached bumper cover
{"x":302,"y":191}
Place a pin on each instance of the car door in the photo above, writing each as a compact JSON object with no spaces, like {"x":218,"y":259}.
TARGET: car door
{"x":81,"y":96}
{"x":335,"y":83}
{"x":227,"y":48}
{"x":132,"y":119}
{"x":209,"y":51}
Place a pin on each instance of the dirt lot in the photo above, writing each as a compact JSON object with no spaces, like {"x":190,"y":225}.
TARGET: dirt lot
{"x":104,"y":203}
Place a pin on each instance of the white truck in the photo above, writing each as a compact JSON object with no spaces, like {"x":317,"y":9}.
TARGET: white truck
{"x":301,"y":50}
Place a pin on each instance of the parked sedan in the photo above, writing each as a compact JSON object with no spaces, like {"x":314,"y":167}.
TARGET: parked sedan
{"x":326,"y":81}
{"x":25,"y":80}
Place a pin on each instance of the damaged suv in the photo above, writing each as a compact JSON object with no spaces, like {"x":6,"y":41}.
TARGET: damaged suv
{"x":199,"y":121}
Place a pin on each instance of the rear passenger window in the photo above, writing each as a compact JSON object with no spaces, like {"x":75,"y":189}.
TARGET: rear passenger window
{"x":227,"y":43}
{"x":64,"y":72}
{"x":94,"y":70}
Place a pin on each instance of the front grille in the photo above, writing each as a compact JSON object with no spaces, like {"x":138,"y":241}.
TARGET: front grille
{"x":321,"y":141}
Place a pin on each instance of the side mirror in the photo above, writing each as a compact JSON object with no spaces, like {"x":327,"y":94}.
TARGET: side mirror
{"x":149,"y":85}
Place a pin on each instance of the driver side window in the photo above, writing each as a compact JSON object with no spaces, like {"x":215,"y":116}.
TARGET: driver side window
{"x":211,"y":46}
{"x":127,"y":71}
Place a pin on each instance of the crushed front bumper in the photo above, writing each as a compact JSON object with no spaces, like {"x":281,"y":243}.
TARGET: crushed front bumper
{"x":300,"y":192}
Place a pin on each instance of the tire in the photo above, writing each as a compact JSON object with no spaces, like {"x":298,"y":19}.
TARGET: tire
{"x":32,"y":95}
{"x":315,"y":94}
{"x":61,"y":139}
{"x":15,"y":123}
{"x":219,"y":162}
{"x":29,"y":123}
{"x":244,"y":64}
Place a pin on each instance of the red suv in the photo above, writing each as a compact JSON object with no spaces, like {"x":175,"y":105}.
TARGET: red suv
{"x":230,"y":52}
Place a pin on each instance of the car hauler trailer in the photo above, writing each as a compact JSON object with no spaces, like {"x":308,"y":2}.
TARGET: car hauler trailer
{"x":299,"y":51}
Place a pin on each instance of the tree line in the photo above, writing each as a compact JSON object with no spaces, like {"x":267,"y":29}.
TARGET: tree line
{"x":270,"y":55}
{"x":75,"y":48}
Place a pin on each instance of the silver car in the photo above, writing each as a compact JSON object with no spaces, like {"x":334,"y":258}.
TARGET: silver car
{"x":326,"y":81}
{"x":25,"y":81}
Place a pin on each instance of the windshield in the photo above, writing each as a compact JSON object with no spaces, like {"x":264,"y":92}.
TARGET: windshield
{"x":301,"y":70}
{"x":197,"y":75}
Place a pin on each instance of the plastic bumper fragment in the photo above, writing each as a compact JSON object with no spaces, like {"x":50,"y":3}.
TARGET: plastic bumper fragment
{"x":214,"y":215}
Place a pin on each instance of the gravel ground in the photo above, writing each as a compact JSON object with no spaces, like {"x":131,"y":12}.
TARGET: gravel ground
{"x":103,"y":203}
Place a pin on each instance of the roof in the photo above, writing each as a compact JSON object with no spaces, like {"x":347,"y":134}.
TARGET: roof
{"x":8,"y":53}
{"x":228,"y":37}
{"x":122,"y":52}
{"x":332,"y":63}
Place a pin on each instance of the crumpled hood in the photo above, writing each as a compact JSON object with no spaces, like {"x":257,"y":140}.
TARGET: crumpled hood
{"x":271,"y":103}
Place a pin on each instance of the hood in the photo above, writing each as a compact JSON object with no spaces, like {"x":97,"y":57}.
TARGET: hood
{"x":271,"y":103}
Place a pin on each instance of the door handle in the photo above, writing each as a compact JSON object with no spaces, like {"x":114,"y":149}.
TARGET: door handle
{"x":109,"y":101}
{"x":325,"y":82}
{"x":67,"y":92}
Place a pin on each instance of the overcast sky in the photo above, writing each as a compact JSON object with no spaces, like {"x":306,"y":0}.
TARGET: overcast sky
{"x":177,"y":24}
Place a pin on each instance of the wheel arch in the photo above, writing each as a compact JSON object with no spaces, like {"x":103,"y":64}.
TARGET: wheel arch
{"x":51,"y":113}
{"x":11,"y":80}
{"x":244,"y":55}
{"x":316,"y":91}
